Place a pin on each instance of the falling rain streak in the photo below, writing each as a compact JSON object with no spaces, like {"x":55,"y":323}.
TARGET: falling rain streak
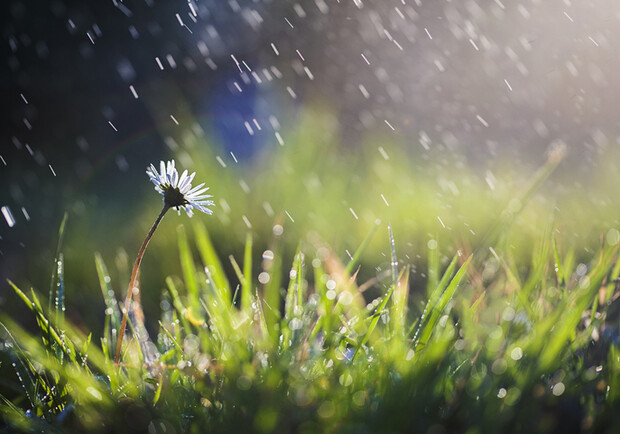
{"x":8,"y":216}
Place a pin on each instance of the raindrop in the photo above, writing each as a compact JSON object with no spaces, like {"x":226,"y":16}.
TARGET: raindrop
{"x":384,"y":200}
{"x":383,"y":153}
{"x":219,"y":160}
{"x":482,"y":121}
{"x":558,"y":389}
{"x":410,"y":354}
{"x":279,"y":138}
{"x":264,"y":278}
{"x":133,"y":91}
{"x":10,"y":220}
{"x":246,"y":221}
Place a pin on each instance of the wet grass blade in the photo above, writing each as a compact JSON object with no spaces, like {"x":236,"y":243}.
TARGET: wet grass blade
{"x":246,"y":282}
{"x":112,"y":312}
{"x":360,"y":250}
{"x":271,"y":293}
{"x":437,"y":308}
{"x":189,"y":275}
{"x":374,"y":319}
{"x":54,"y":277}
{"x":559,"y":272}
{"x":400,"y":302}
{"x":210,"y":259}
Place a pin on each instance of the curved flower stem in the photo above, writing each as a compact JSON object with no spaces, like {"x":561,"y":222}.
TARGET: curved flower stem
{"x":132,"y":282}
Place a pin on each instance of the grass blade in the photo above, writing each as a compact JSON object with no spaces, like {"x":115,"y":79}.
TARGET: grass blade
{"x":437,"y":308}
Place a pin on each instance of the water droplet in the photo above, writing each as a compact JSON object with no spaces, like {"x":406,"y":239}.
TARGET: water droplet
{"x":264,"y":277}
{"x":558,"y":389}
{"x":516,"y":354}
{"x":8,"y":216}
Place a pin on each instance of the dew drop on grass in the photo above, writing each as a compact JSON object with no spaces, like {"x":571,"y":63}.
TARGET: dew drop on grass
{"x":443,"y":321}
{"x":295,"y":324}
{"x":508,"y":314}
{"x":613,"y":237}
{"x":516,"y":353}
{"x":581,"y":270}
{"x":345,"y":380}
{"x":558,"y":389}
{"x":264,"y":278}
{"x":410,"y":354}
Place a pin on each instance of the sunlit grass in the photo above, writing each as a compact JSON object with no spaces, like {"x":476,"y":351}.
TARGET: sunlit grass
{"x":497,"y":345}
{"x":359,"y":294}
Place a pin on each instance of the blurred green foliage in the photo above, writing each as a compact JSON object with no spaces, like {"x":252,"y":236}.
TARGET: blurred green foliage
{"x":311,"y":184}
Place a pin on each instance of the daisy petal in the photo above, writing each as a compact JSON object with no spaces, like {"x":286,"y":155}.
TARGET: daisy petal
{"x":177,"y":190}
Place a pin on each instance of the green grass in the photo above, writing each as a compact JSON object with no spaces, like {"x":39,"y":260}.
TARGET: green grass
{"x":496,"y":346}
{"x":458,"y":307}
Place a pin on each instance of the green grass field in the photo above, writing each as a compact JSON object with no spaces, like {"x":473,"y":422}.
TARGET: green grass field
{"x":368,"y":295}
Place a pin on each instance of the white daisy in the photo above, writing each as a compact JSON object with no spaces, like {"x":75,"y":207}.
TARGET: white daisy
{"x":177,"y":190}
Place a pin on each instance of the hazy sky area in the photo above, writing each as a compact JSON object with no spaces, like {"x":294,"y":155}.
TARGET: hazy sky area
{"x":88,"y":85}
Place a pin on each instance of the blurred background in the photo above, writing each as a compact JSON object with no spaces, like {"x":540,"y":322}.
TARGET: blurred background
{"x":323,"y":117}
